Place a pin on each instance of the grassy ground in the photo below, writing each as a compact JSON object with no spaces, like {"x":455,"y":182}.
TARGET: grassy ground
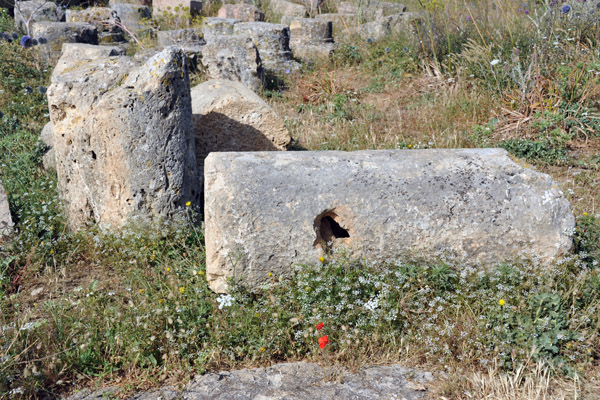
{"x":132,"y":308}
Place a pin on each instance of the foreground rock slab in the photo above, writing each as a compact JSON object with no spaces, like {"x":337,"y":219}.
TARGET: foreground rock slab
{"x":6,"y":223}
{"x":297,"y":381}
{"x":123,"y":139}
{"x":266,"y":211}
{"x":228,"y":116}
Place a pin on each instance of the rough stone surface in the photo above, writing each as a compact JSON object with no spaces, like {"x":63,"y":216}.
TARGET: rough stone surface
{"x":136,"y":18}
{"x":343,"y":24}
{"x":228,"y":116}
{"x":46,"y":138}
{"x":287,"y":8}
{"x":97,"y":16}
{"x":75,"y":55}
{"x":6,"y":224}
{"x":477,"y":206}
{"x":160,"y":7}
{"x":311,"y":38}
{"x":58,"y":33}
{"x":294,"y":381}
{"x":273,"y":43}
{"x":36,"y":11}
{"x":234,"y":58}
{"x":214,"y":27}
{"x":372,"y":10}
{"x":123,"y":139}
{"x":136,"y":2}
{"x":391,"y":25}
{"x":180,"y":36}
{"x":241,"y":11}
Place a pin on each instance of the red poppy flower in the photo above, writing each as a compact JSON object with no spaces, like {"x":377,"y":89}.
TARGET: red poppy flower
{"x":323,"y":341}
{"x":319,"y":326}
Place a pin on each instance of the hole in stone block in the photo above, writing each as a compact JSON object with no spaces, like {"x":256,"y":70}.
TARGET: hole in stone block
{"x":93,"y":155}
{"x":328,"y":229}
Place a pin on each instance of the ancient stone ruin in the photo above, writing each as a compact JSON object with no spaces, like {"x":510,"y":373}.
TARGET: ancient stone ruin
{"x":123,"y":139}
{"x":266,"y":212}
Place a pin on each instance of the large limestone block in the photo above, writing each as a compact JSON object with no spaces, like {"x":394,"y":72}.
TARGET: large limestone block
{"x":123,"y":139}
{"x":241,"y":11}
{"x":74,"y":55}
{"x":287,"y":8}
{"x":311,"y":38}
{"x":234,"y":58}
{"x":228,"y":116}
{"x":215,"y":27}
{"x":6,"y":224}
{"x":136,"y":18}
{"x":266,"y":211}
{"x":58,"y":33}
{"x":180,"y":36}
{"x":28,"y":12}
{"x":273,"y":43}
{"x":99,"y":17}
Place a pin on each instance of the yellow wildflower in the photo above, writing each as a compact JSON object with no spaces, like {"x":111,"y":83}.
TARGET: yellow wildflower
{"x":321,"y":259}
{"x":585,"y":214}
{"x":501,"y":302}
{"x":270,"y":274}
{"x":262,"y":349}
{"x":200,"y":272}
{"x":182,"y":290}
{"x":189,"y":203}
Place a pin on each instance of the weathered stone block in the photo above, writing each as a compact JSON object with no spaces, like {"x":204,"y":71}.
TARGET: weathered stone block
{"x":136,"y":18}
{"x":123,"y":139}
{"x":37,"y":11}
{"x":343,"y":24}
{"x":98,"y":16}
{"x":391,"y":25}
{"x":241,"y":11}
{"x":311,"y":38}
{"x":265,"y":212}
{"x":58,"y":33}
{"x":180,"y":36}
{"x":234,"y":58}
{"x":74,"y":55}
{"x":6,"y":224}
{"x":287,"y":8}
{"x":218,"y":26}
{"x":228,"y":116}
{"x":273,"y":43}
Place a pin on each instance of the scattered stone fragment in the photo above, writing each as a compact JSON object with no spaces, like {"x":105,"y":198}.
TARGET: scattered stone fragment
{"x":176,"y":7}
{"x":98,"y":16}
{"x":36,"y":11}
{"x":234,"y":58}
{"x":228,"y":116}
{"x":287,"y":8}
{"x":57,"y":33}
{"x":273,"y":43}
{"x":477,"y":206}
{"x":241,"y":11}
{"x":136,"y":18}
{"x":6,"y":224}
{"x":123,"y":139}
{"x":311,"y":38}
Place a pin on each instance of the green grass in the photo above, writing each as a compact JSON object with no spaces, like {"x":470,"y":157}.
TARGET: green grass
{"x":133,"y":308}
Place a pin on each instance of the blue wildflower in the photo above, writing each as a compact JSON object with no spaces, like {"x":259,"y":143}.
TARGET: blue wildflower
{"x":14,"y":36}
{"x":370,"y":40}
{"x":565,"y":9}
{"x":287,"y":71}
{"x":34,"y":42}
{"x":42,"y":40}
{"x":41,"y":89}
{"x":387,"y":49}
{"x":26,"y":41}
{"x":1,"y":114}
{"x":28,"y":90}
